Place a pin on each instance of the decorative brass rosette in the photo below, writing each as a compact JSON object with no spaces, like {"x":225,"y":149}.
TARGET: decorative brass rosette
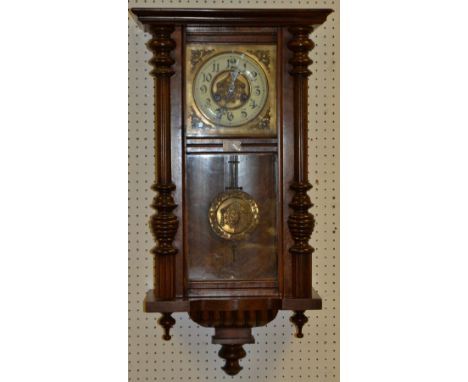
{"x":233,"y":215}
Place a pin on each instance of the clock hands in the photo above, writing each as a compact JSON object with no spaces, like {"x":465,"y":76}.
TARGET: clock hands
{"x":226,"y":92}
{"x":229,"y":94}
{"x":233,"y":82}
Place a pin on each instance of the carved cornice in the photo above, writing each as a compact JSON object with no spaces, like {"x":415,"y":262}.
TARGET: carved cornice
{"x":238,"y":17}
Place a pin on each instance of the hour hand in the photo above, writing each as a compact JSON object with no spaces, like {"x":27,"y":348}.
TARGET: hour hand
{"x":234,"y":76}
{"x":233,"y":82}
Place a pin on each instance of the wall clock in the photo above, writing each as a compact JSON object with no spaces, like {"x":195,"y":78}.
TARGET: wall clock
{"x":232,"y":222}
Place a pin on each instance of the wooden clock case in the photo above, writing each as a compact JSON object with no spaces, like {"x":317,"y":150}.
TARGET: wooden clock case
{"x":232,"y":308}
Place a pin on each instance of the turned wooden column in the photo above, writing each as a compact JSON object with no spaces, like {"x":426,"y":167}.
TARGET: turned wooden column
{"x":164,"y":223}
{"x":301,"y":222}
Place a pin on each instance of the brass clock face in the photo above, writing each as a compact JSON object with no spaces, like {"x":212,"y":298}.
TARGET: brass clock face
{"x":230,"y":90}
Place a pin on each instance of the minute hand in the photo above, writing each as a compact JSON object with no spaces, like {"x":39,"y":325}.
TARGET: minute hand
{"x":234,"y":76}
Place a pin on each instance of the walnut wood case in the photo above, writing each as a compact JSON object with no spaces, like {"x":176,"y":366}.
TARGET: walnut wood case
{"x":277,"y":273}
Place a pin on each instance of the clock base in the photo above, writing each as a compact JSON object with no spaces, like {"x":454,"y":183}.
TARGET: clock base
{"x":232,"y":318}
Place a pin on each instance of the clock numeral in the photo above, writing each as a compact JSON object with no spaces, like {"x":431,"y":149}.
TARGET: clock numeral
{"x":254,"y":75}
{"x":203,"y":89}
{"x":231,"y":63}
{"x":230,"y":116}
{"x":220,"y":112}
{"x":208,"y":102}
{"x":253,"y":104}
{"x":244,"y":114}
{"x":257,"y":90}
{"x":207,"y":77}
{"x":215,"y":67}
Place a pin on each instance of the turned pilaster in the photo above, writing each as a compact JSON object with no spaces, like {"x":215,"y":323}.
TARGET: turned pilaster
{"x":164,"y":223}
{"x":300,"y":221}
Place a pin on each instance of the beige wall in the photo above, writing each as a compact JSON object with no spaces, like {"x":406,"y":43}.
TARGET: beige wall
{"x":277,"y":354}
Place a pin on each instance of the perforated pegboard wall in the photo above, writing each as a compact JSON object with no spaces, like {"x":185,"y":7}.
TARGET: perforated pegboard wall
{"x":277,"y":354}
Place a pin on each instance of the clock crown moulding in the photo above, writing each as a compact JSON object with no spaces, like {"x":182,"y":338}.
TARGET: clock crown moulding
{"x":232,"y":222}
{"x":235,"y":17}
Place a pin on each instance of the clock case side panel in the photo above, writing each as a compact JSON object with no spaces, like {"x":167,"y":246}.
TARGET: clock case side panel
{"x":287,"y":158}
{"x":247,"y":36}
{"x":177,"y":118}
